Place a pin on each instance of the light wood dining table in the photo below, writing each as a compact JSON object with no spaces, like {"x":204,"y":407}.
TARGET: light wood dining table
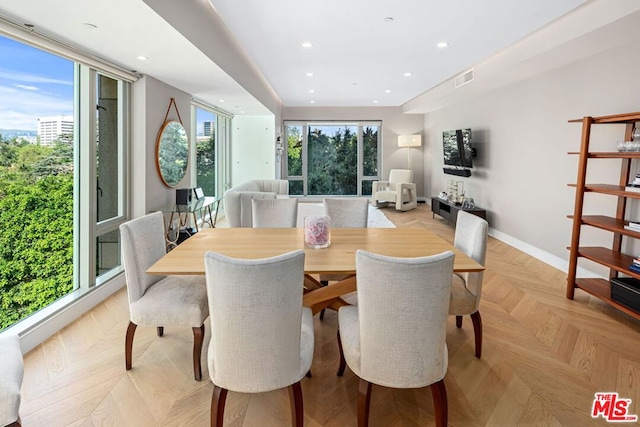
{"x":339,"y":258}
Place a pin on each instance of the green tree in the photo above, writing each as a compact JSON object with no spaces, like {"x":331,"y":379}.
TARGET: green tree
{"x":206,"y":165}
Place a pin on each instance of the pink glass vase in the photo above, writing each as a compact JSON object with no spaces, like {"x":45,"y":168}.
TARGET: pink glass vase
{"x":316,"y":232}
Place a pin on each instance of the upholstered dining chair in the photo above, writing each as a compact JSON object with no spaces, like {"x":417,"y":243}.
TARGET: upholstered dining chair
{"x":274,"y":213}
{"x":261,"y":335}
{"x":159,"y":300}
{"x":395,"y":337}
{"x":399,"y":190}
{"x":466,"y":288}
{"x":344,"y":213}
{"x":11,"y":374}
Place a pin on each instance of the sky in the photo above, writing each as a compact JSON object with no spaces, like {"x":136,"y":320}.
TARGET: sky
{"x":33,"y":84}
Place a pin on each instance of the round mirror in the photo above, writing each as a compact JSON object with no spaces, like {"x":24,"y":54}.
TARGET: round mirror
{"x":172,"y":153}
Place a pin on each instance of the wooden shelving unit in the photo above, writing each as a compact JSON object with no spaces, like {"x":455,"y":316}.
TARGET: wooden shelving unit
{"x":612,"y":258}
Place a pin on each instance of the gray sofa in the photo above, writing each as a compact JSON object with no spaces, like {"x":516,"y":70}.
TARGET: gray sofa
{"x":237,"y":200}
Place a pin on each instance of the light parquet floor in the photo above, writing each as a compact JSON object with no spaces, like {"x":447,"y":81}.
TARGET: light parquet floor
{"x":543,"y":359}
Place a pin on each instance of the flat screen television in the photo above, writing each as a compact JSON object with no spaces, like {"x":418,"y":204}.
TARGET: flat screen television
{"x":457,"y":148}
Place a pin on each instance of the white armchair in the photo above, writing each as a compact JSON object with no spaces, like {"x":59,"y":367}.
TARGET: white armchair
{"x":11,"y":374}
{"x":396,"y":335}
{"x":399,"y":190}
{"x":466,"y":288}
{"x":261,"y":335}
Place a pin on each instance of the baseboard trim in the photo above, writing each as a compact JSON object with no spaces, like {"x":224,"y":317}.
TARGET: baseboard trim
{"x":546,"y":257}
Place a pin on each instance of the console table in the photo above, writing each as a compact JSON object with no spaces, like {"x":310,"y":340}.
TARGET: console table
{"x":449,"y":211}
{"x":180,"y":216}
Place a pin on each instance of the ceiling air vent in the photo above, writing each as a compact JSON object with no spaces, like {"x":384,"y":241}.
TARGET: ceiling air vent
{"x":464,"y":78}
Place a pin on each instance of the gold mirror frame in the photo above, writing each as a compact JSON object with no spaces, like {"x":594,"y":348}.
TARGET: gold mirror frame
{"x":172,"y":153}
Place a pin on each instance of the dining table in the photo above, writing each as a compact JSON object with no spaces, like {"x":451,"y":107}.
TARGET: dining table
{"x":339,"y":258}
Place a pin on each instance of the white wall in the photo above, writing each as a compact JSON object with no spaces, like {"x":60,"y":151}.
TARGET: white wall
{"x":252,"y":148}
{"x":394,"y":123}
{"x":522,"y":136}
{"x":150,"y":100}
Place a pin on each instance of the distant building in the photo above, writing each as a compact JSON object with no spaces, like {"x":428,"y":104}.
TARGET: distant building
{"x":29,"y":139}
{"x":207,"y":128}
{"x":53,"y":127}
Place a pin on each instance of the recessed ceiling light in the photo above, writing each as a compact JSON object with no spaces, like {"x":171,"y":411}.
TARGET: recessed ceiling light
{"x":89,"y":26}
{"x":242,"y":112}
{"x":442,"y":45}
{"x":387,"y":91}
{"x":306,"y":44}
{"x":309,"y":74}
{"x":237,"y":106}
{"x":407,"y":74}
{"x":375,"y":101}
{"x":388,"y":19}
{"x":222,"y":100}
{"x":142,"y":57}
{"x":311,"y":91}
{"x":312,"y":102}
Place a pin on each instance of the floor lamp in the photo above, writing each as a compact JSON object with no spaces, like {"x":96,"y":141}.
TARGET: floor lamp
{"x":409,"y":141}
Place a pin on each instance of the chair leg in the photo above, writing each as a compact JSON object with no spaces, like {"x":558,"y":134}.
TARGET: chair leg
{"x":218,"y":400}
{"x":343,"y":363}
{"x":459,"y":322}
{"x":364,"y":402}
{"x":297,"y":407}
{"x":308,"y":375}
{"x":128,"y":345}
{"x":477,"y":330}
{"x":440,"y":404}
{"x":323,"y":283}
{"x":160,"y":331}
{"x":198,"y":338}
{"x":16,"y":423}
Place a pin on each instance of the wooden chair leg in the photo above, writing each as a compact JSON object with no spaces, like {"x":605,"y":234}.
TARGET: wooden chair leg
{"x":128,"y":345}
{"x":16,"y":423}
{"x":459,"y":321}
{"x":477,"y":331}
{"x":297,"y":407}
{"x":323,"y":283}
{"x":218,"y":400}
{"x":160,"y":331}
{"x":364,"y":402}
{"x":309,"y":374}
{"x":198,"y":338}
{"x":343,"y":363}
{"x":440,"y":404}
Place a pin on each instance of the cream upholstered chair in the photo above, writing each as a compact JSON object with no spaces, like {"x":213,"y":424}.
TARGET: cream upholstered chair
{"x":399,"y":190}
{"x":274,"y":213}
{"x":395,"y":337}
{"x":347,"y":213}
{"x":261,"y":335}
{"x":11,"y":374}
{"x":470,"y":238}
{"x":159,"y":300}
{"x":344,"y":213}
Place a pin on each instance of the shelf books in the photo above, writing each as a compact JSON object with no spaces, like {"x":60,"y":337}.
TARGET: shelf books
{"x":635,"y":265}
{"x":633,"y":226}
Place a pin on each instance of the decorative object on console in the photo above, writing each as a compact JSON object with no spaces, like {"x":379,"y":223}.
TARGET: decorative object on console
{"x":409,"y":141}
{"x":184,"y":196}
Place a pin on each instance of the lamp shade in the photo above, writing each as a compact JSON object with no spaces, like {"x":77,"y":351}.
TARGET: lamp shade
{"x":409,"y":140}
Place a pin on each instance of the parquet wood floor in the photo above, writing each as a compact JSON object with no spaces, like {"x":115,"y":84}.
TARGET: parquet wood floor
{"x":543,"y":359}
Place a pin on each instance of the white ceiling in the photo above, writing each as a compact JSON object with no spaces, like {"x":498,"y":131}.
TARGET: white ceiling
{"x":352,"y":43}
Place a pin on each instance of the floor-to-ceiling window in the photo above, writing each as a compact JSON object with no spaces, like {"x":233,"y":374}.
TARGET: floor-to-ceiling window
{"x":332,"y":158}
{"x":63,"y":139}
{"x":212,"y":135}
